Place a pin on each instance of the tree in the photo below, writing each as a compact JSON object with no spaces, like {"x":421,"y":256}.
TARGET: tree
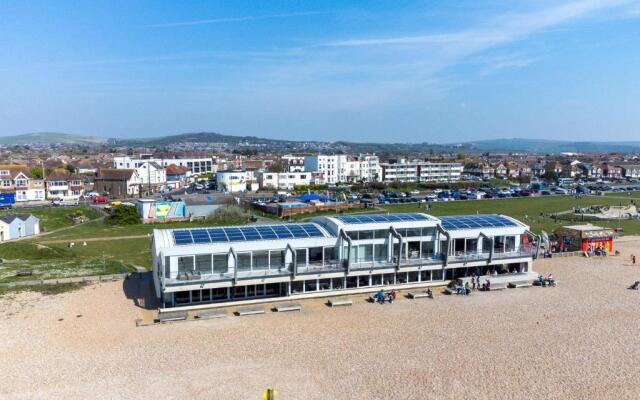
{"x":123,"y":215}
{"x":70,"y":168}
{"x":36,"y":172}
{"x":461,"y":156}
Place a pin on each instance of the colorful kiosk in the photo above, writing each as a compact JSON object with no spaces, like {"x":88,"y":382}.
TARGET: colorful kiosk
{"x":587,"y":238}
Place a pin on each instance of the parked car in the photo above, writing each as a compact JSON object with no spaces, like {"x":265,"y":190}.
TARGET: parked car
{"x":100,"y":199}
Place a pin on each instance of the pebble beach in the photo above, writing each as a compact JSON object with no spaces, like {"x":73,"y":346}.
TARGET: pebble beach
{"x":579,"y":340}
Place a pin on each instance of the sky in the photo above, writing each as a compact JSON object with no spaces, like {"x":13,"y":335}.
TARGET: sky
{"x":367,"y":71}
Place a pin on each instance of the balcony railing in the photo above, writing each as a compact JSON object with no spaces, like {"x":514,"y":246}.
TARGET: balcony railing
{"x":327,"y":266}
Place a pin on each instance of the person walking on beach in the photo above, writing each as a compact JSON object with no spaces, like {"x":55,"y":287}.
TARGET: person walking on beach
{"x":473,"y":282}
{"x":633,"y":259}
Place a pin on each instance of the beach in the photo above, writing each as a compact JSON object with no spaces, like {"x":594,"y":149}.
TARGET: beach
{"x":579,"y":340}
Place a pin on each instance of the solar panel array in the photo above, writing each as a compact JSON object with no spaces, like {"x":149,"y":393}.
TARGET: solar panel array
{"x":475,"y":221}
{"x":373,"y":218}
{"x":244,"y":233}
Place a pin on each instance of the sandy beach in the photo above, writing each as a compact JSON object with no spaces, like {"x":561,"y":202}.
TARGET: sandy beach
{"x":580,"y":340}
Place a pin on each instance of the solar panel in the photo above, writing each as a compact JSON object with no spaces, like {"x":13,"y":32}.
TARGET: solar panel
{"x":244,"y":233}
{"x":374,"y":218}
{"x":475,"y":221}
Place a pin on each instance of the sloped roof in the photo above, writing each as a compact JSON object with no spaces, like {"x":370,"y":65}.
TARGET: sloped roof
{"x":113,"y":174}
{"x":173,"y":169}
{"x":15,"y":170}
{"x":61,"y":174}
{"x":9,"y":218}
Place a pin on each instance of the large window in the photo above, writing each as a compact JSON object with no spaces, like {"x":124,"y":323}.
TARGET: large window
{"x":380,"y":252}
{"x":381,"y":234}
{"x":472,"y":245}
{"x":365,"y":235}
{"x":185,"y":264}
{"x":510,"y":243}
{"x":330,"y":255}
{"x":276,"y":258}
{"x":260,"y":260}
{"x":301,"y":257}
{"x":426,"y":249}
{"x":413,"y":250}
{"x":220,"y":263}
{"x":203,"y":263}
{"x":315,"y":255}
{"x":365,"y":253}
{"x":244,"y":262}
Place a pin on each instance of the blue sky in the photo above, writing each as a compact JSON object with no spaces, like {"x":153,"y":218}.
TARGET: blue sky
{"x":401,"y":71}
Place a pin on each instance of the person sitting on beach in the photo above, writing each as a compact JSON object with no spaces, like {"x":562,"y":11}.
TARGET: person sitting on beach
{"x":541,"y":280}
{"x":393,"y":294}
{"x":380,"y":296}
{"x":551,"y":280}
{"x":635,"y":286}
{"x":467,"y":290}
{"x":429,"y":293}
{"x":488,"y":285}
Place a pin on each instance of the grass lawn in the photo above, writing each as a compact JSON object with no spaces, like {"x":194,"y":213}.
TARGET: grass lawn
{"x":519,"y":207}
{"x":44,"y":289}
{"x":631,"y":195}
{"x":57,"y":260}
{"x":53,"y":261}
{"x":52,"y":218}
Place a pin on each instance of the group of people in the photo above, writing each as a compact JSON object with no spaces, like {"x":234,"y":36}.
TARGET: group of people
{"x":381,"y":296}
{"x":485,"y":285}
{"x":549,"y":280}
{"x":598,"y":251}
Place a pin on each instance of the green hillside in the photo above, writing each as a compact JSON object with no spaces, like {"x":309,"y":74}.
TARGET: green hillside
{"x":51,"y":138}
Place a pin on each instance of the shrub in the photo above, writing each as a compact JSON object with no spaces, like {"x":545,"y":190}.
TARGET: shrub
{"x":228,"y":215}
{"x":123,"y":215}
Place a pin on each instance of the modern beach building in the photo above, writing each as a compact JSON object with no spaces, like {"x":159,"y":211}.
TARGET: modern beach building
{"x":342,"y":254}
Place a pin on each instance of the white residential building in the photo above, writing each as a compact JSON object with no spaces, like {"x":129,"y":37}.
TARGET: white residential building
{"x":236,"y":180}
{"x":194,"y":165}
{"x":420,"y":171}
{"x":294,"y":163}
{"x":288,"y":180}
{"x":339,"y":168}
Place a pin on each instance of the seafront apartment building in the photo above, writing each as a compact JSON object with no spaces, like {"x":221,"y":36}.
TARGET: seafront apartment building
{"x":333,"y":255}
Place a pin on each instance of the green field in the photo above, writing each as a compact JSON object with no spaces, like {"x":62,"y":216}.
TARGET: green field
{"x":53,"y":218}
{"x":50,"y":257}
{"x":531,"y":207}
{"x":631,"y":195}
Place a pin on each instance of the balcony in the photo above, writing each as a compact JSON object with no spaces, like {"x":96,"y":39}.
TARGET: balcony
{"x":327,"y":266}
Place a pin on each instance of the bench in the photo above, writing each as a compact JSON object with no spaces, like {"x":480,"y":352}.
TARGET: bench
{"x":172,"y":316}
{"x":520,"y":284}
{"x":249,"y":311}
{"x":449,"y":290}
{"x":418,"y":295}
{"x":341,"y":301}
{"x":498,"y":286}
{"x":24,"y":272}
{"x":210,"y":314}
{"x":288,"y":307}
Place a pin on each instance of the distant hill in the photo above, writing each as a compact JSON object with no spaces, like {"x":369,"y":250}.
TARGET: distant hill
{"x":51,"y":138}
{"x":552,"y":146}
{"x":289,"y":145}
